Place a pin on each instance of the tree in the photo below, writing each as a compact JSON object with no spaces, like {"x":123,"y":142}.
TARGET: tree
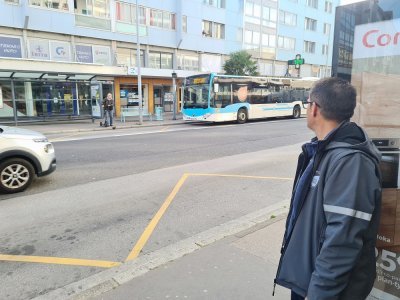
{"x":240,"y":63}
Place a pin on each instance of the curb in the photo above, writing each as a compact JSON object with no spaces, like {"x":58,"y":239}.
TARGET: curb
{"x":109,"y":279}
{"x":136,"y":125}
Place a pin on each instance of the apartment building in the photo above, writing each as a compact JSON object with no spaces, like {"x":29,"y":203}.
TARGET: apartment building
{"x":59,"y":58}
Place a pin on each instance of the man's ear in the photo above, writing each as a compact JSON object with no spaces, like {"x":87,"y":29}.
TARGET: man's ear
{"x":314,"y":110}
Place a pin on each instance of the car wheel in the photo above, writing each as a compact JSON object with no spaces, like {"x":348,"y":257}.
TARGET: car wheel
{"x":296,"y":112}
{"x":16,"y":174}
{"x":242,"y":116}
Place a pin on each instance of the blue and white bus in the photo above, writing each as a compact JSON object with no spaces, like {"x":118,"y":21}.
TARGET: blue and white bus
{"x":220,"y":98}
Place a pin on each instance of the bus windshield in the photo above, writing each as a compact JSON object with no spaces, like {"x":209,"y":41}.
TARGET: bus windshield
{"x":196,"y":96}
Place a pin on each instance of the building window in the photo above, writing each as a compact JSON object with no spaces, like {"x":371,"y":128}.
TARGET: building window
{"x":95,"y":8}
{"x":252,"y":37}
{"x":127,"y":57}
{"x":184,"y":23}
{"x":162,"y":19}
{"x":216,"y":3}
{"x":327,"y":28}
{"x":286,"y":43}
{"x":325,"y":50}
{"x":310,"y":24}
{"x":309,"y":47}
{"x":126,"y":13}
{"x":159,"y":60}
{"x":252,"y":9}
{"x":188,"y":63}
{"x":212,"y":29}
{"x":53,"y":4}
{"x":287,"y":18}
{"x":269,"y":16}
{"x":268,"y":40}
{"x":312,"y":3}
{"x":328,"y":7}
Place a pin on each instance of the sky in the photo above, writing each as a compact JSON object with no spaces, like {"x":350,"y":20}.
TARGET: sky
{"x":344,"y":2}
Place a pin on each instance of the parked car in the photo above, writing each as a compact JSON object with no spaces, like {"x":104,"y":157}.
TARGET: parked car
{"x":23,"y":154}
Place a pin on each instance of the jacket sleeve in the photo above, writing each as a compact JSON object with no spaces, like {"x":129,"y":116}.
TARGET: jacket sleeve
{"x":349,"y":202}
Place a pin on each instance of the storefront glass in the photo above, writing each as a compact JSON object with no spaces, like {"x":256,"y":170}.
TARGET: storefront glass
{"x":44,"y":99}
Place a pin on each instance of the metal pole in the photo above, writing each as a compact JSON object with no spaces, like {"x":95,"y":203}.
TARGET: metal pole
{"x":14,"y":103}
{"x":174,"y":92}
{"x":139,"y":76}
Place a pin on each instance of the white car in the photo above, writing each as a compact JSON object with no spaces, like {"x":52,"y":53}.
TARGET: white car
{"x":23,"y":153}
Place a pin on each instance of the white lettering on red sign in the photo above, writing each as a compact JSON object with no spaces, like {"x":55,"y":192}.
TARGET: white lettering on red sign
{"x":377,"y":39}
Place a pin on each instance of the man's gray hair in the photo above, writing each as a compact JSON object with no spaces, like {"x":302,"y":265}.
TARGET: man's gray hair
{"x":336,"y":98}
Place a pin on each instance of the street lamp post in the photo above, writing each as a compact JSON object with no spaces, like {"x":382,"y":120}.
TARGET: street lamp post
{"x":139,"y":76}
{"x":174,"y":76}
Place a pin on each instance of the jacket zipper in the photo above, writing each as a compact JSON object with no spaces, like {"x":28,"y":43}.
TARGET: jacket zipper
{"x":283,"y":248}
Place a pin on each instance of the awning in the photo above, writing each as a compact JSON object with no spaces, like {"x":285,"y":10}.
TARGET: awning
{"x":40,"y":75}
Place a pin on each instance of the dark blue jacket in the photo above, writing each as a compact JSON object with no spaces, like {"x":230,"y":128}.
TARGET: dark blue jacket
{"x":330,"y":251}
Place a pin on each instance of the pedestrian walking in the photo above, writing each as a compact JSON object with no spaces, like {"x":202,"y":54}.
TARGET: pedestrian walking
{"x":328,"y":249}
{"x":108,"y":108}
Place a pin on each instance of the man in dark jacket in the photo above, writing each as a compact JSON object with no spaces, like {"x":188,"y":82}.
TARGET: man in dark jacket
{"x":328,"y":249}
{"x":108,"y":107}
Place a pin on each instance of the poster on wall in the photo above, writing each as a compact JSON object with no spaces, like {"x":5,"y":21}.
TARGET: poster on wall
{"x":10,"y":47}
{"x":101,"y":55}
{"x":39,"y":49}
{"x":1,"y":98}
{"x":60,"y":51}
{"x":84,"y":54}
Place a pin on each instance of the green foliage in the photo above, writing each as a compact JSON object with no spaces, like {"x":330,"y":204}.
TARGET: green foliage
{"x":240,"y":63}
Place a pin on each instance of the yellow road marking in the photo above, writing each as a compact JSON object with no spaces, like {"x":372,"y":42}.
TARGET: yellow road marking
{"x":153,"y":223}
{"x":140,"y":243}
{"x":60,"y":261}
{"x":242,"y":176}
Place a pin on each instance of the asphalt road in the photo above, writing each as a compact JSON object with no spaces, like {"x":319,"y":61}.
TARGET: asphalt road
{"x":108,"y":187}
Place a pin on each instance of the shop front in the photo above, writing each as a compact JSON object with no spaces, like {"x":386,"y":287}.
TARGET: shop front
{"x":366,"y":51}
{"x":156,"y":93}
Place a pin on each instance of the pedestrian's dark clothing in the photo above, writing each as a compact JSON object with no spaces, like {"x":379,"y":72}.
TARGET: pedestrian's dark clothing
{"x":328,"y":250}
{"x":108,"y":106}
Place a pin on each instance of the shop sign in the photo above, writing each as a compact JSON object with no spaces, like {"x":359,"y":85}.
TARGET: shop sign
{"x":60,"y":51}
{"x":377,"y":39}
{"x":84,"y":54}
{"x":101,"y":55}
{"x":1,"y":98}
{"x":132,"y":71}
{"x":39,"y":49}
{"x":10,"y":47}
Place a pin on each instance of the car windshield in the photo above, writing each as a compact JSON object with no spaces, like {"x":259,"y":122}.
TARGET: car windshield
{"x":196,"y":96}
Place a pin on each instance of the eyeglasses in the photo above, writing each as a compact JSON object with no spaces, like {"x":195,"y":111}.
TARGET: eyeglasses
{"x":311,"y":102}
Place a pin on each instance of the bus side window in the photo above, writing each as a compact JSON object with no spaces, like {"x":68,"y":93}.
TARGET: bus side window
{"x":256,"y":95}
{"x":223,"y":97}
{"x":240,"y":93}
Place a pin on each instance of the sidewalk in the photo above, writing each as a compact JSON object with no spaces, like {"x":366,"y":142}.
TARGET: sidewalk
{"x":53,"y":127}
{"x":236,"y":260}
{"x":242,"y":266}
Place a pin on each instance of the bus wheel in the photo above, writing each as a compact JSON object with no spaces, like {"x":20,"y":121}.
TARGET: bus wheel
{"x":242,"y":116}
{"x":296,"y":112}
